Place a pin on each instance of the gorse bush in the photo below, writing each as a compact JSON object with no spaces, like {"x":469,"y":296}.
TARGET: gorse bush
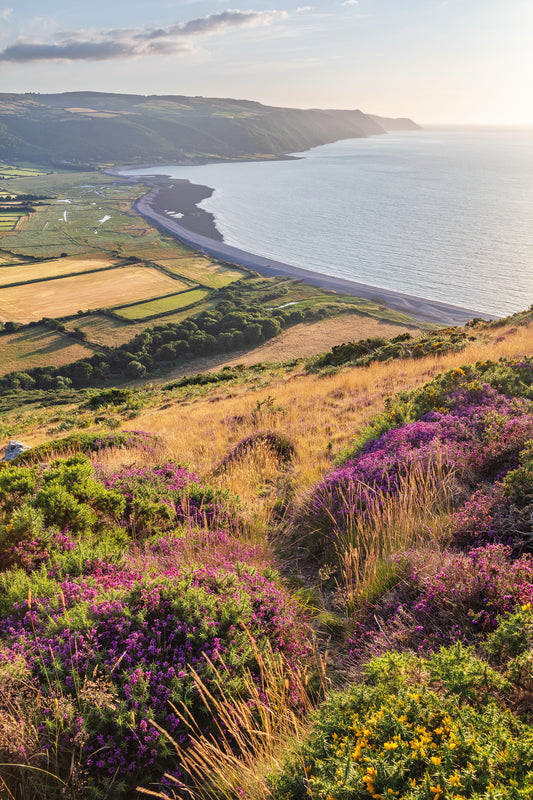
{"x":42,"y":508}
{"x":160,"y":497}
{"x":416,"y":729}
{"x":365,"y":351}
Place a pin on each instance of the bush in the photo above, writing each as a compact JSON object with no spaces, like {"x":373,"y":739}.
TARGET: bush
{"x":398,"y":735}
{"x":116,"y":649}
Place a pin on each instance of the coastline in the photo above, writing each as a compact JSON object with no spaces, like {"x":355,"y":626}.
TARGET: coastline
{"x":197,"y":229}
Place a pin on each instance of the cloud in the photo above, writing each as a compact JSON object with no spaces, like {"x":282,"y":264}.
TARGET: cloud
{"x":6,"y":13}
{"x":303,"y":8}
{"x":87,"y":45}
{"x":351,"y":3}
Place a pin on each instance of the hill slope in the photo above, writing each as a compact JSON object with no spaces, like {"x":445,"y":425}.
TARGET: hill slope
{"x":93,"y":126}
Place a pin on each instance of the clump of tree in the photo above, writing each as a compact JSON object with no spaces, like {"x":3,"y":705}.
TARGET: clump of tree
{"x":233,"y":325}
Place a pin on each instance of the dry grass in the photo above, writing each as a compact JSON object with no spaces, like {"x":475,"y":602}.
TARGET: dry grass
{"x":38,"y":347}
{"x":320,"y":414}
{"x":255,"y":732}
{"x":415,"y":516}
{"x":52,"y":269}
{"x":65,"y":296}
{"x":202,"y":270}
{"x":106,"y":331}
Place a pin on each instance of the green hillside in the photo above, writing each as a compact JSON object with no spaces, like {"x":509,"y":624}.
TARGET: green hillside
{"x":87,"y":127}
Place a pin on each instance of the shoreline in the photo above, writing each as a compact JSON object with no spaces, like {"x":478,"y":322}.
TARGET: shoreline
{"x":197,"y":229}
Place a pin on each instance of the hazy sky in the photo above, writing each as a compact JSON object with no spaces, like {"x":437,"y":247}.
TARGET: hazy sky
{"x":433,"y":60}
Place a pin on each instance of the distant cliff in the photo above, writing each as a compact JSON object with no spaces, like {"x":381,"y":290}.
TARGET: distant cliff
{"x":400,"y":124}
{"x":91,"y":127}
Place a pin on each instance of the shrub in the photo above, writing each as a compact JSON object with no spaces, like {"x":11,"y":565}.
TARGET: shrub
{"x":159,"y":497}
{"x":114,"y":650}
{"x":478,"y":436}
{"x":404,"y":733}
{"x":278,"y":444}
{"x":463,"y":601}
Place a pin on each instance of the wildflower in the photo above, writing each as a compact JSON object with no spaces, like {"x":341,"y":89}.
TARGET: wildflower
{"x":390,"y":745}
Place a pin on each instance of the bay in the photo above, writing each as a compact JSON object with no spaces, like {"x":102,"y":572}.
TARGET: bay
{"x":442,"y":214}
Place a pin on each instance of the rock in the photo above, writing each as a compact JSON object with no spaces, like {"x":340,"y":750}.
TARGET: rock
{"x":14,"y":449}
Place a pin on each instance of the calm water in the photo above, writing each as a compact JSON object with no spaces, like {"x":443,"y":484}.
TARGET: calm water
{"x":446,"y":215}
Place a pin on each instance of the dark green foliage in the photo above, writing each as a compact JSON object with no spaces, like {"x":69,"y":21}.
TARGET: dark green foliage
{"x":518,"y":484}
{"x":404,"y":345}
{"x":110,"y":397}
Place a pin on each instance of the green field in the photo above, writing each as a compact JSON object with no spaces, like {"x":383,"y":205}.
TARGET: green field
{"x":162,"y":305}
{"x":8,"y":171}
{"x":8,"y":220}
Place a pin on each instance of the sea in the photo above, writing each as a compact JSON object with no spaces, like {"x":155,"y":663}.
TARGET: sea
{"x":442,"y":214}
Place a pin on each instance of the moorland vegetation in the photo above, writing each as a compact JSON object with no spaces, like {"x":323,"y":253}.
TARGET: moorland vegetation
{"x":310,"y":579}
{"x":77,"y":129}
{"x":291,"y":581}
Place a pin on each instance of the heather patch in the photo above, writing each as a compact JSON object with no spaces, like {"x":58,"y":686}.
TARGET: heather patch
{"x":455,"y":387}
{"x":141,"y":638}
{"x":478,"y":437}
{"x":460,"y":602}
{"x":500,"y":512}
{"x":166,"y":495}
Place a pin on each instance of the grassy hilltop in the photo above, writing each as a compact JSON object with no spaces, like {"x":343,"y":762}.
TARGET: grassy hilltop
{"x":309,"y":579}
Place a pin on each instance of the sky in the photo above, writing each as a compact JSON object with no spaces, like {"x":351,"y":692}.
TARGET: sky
{"x":436,"y":61}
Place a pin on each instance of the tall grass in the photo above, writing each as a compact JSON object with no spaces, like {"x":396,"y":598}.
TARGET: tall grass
{"x":254,"y":732}
{"x":415,"y":516}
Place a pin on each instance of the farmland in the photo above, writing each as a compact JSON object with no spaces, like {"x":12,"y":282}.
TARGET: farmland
{"x":81,"y":247}
{"x":203,"y":271}
{"x":105,"y":331}
{"x":65,"y":296}
{"x":56,"y":268}
{"x":38,"y":347}
{"x":162,"y":305}
{"x":8,"y":220}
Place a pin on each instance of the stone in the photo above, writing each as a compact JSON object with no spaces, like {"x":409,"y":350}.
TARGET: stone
{"x":14,"y":449}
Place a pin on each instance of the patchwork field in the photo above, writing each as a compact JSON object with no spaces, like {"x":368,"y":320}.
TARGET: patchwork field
{"x":162,"y":305}
{"x":8,"y":171}
{"x":38,"y":347}
{"x":55,"y":268}
{"x":65,"y":296}
{"x":8,"y":221}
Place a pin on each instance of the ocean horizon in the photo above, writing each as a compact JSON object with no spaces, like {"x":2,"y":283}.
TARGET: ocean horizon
{"x":444,"y":213}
